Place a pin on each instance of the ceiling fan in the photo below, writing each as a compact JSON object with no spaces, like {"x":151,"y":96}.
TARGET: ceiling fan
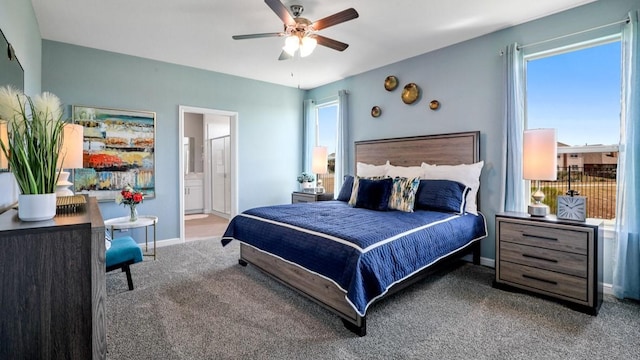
{"x":302,"y":34}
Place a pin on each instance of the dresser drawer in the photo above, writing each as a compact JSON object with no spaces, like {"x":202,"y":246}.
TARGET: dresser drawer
{"x":560,"y":261}
{"x":561,"y":284}
{"x":574,"y":241}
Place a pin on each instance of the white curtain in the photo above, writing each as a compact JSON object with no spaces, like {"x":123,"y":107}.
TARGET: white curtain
{"x":513,"y":124}
{"x":308,"y":133}
{"x":342,"y":147}
{"x":626,"y":273}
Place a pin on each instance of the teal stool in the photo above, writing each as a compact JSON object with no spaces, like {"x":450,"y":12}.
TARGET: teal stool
{"x":123,"y":252}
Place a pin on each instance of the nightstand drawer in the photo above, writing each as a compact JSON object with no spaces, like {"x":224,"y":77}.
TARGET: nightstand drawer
{"x":549,"y":281}
{"x":560,"y":261}
{"x":302,"y":197}
{"x":574,"y":241}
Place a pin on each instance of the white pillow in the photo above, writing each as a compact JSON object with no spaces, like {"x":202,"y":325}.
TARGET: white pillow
{"x":467,"y":174}
{"x":368,"y":170}
{"x":405,"y":171}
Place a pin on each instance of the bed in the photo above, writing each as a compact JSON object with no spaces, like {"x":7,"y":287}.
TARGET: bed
{"x":340,"y":256}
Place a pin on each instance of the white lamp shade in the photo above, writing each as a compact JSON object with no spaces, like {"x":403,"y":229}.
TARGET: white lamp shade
{"x":319,"y":160}
{"x":4,"y":137}
{"x":291,"y":44}
{"x":70,"y":156}
{"x":308,"y":45}
{"x":539,"y":155}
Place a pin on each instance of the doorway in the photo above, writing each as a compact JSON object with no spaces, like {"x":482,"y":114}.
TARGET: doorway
{"x":208,"y":168}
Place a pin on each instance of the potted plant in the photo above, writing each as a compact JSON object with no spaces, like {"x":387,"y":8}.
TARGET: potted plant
{"x":33,"y":146}
{"x":306,"y":180}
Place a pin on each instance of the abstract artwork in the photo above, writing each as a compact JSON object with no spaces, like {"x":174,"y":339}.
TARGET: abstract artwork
{"x":118,"y":150}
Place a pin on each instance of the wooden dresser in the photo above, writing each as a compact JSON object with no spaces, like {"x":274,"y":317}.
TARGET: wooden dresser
{"x":555,"y":258}
{"x":52,"y":286}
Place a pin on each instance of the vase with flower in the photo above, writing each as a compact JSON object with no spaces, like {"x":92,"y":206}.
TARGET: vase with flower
{"x":131,"y":198}
{"x":306,"y":181}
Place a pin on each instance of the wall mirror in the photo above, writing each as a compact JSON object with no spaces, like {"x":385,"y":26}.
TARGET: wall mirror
{"x":11,"y":72}
{"x":189,"y":154}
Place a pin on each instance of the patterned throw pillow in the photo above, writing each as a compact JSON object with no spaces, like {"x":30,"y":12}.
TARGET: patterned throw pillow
{"x":404,"y":193}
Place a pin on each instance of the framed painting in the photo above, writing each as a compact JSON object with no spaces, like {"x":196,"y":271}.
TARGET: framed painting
{"x":118,"y":150}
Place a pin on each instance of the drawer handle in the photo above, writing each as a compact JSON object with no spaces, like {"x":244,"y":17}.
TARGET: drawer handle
{"x":539,"y":279}
{"x":539,"y":258}
{"x":539,"y":237}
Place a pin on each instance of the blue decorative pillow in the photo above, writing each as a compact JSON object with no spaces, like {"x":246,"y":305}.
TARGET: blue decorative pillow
{"x":404,"y":193}
{"x":354,"y":190}
{"x":374,"y":194}
{"x":345,"y":190}
{"x":441,"y":195}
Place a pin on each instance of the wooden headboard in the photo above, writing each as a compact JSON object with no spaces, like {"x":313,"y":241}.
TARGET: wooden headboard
{"x":443,"y":149}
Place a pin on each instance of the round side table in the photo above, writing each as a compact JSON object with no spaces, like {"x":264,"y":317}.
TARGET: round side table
{"x":146,"y":221}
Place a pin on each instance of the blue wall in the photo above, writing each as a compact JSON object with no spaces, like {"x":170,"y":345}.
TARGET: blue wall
{"x":467,"y":79}
{"x":269,"y":127}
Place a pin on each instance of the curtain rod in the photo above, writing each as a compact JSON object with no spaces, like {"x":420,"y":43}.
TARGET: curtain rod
{"x":625,"y":20}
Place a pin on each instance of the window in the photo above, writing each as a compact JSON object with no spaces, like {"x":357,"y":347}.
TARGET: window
{"x":576,"y":90}
{"x":327,"y":135}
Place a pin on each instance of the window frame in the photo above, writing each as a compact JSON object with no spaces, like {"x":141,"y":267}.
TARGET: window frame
{"x":603,"y":40}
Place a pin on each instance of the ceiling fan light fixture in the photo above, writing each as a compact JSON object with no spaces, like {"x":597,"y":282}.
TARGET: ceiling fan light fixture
{"x":308,"y":45}
{"x":291,"y":44}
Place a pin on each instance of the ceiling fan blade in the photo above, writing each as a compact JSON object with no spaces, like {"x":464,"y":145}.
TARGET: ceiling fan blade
{"x":330,"y":43}
{"x":335,"y":19}
{"x":256,"y":36}
{"x":281,"y":11}
{"x":284,"y":56}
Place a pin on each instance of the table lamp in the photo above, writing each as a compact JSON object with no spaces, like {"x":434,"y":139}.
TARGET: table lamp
{"x":4,"y":137}
{"x":540,"y":162}
{"x":319,"y":165}
{"x":70,"y":157}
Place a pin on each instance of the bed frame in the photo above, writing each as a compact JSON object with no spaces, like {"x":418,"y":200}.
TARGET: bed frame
{"x":444,"y":149}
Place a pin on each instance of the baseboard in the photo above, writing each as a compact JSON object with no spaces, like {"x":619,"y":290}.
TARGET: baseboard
{"x":483,"y":261}
{"x":167,"y":242}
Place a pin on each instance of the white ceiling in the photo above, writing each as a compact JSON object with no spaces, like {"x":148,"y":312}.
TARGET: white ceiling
{"x":197,"y":33}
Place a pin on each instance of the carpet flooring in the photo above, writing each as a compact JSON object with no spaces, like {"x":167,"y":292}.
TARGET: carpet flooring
{"x":196,"y":302}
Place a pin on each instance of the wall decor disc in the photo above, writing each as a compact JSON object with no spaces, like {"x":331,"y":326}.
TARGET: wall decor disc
{"x":410,"y":93}
{"x":376,"y":111}
{"x":390,"y":83}
{"x":434,"y":105}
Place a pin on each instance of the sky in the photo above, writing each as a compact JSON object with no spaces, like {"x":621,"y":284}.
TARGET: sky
{"x":578,"y":93}
{"x":327,"y":116}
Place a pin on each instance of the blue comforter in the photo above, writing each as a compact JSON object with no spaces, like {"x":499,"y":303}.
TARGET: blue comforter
{"x":362,"y":251}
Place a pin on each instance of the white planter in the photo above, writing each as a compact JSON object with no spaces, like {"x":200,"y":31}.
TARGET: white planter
{"x":306,"y":185}
{"x":36,"y":207}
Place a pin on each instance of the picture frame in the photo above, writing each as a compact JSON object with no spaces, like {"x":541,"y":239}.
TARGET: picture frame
{"x":118,"y":150}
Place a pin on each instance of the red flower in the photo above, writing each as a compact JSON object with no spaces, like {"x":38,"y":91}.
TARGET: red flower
{"x":137,"y":197}
{"x":130,"y":197}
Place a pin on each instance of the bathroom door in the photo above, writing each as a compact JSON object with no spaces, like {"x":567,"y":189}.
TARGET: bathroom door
{"x":221,"y":184}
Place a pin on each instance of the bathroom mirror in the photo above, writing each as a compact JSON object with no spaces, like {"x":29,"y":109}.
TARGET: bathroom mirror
{"x":189,"y":144}
{"x":11,"y":72}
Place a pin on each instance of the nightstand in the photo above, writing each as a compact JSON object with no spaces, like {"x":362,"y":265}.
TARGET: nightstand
{"x":304,"y":197}
{"x":557,"y":259}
